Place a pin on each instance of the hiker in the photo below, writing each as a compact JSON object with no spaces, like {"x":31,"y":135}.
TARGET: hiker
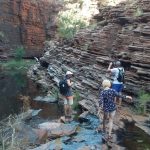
{"x":108,"y":105}
{"x":66,"y":92}
{"x":118,"y":78}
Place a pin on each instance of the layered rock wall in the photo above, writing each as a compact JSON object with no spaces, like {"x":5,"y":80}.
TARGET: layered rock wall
{"x":27,"y":23}
{"x":122,"y":33}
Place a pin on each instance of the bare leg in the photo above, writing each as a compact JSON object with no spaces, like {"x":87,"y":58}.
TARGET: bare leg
{"x":115,"y":100}
{"x":111,"y":117}
{"x":66,"y":109}
{"x":120,"y":100}
{"x":69,"y":110}
{"x":104,"y":121}
{"x":70,"y":103}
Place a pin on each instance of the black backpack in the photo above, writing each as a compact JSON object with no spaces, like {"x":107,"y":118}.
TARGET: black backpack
{"x":120,"y":77}
{"x":63,"y":87}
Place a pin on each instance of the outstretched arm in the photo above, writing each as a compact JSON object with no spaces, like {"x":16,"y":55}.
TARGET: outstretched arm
{"x":109,"y":67}
{"x":122,"y":96}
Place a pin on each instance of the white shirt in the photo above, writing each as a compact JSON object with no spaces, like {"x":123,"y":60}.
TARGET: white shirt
{"x":115,"y":72}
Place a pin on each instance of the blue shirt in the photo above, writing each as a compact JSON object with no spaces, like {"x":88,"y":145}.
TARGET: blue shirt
{"x":106,"y":99}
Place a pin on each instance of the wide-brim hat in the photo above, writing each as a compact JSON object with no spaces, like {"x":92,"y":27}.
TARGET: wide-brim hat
{"x":69,"y":73}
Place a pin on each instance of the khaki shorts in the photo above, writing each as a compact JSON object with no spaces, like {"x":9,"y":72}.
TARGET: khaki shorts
{"x":68,"y":100}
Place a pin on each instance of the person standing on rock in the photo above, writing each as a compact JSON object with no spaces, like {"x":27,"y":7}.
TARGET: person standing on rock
{"x":66,"y":92}
{"x":108,"y":105}
{"x":118,"y":78}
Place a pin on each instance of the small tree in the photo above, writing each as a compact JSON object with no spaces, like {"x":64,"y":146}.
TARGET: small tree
{"x":69,"y":24}
{"x":77,"y":98}
{"x":143,"y":99}
{"x":19,"y":53}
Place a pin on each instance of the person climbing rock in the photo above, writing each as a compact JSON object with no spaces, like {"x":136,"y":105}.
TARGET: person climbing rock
{"x":117,"y":72}
{"x":108,"y":105}
{"x":66,"y":92}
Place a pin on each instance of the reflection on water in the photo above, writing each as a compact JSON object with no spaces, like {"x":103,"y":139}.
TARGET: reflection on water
{"x":135,"y":138}
{"x":12,"y":84}
{"x":49,"y":110}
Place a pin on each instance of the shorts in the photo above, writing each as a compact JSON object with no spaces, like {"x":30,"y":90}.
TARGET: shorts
{"x":117,"y":87}
{"x":68,"y":101}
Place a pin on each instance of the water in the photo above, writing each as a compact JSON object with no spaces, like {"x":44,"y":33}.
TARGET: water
{"x":50,"y":111}
{"x":16,"y":83}
{"x":133,"y":138}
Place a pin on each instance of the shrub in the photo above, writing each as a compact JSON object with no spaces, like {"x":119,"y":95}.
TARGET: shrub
{"x":54,"y":93}
{"x":13,"y":65}
{"x":19,"y":53}
{"x":139,"y":12}
{"x":141,"y":106}
{"x":143,"y":99}
{"x":69,"y":24}
{"x":77,"y":98}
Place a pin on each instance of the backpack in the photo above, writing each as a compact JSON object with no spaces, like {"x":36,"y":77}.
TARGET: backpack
{"x":120,"y":77}
{"x":63,"y":87}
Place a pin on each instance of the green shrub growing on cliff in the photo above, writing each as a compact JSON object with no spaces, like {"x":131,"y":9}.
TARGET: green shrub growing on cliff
{"x":19,"y":53}
{"x":17,"y":64}
{"x":143,"y":99}
{"x":69,"y":24}
{"x":139,"y":12}
{"x":13,"y":65}
{"x":77,"y":98}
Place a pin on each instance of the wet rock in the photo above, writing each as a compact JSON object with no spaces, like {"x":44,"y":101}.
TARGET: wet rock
{"x":36,"y":112}
{"x":54,"y":145}
{"x":83,"y":117}
{"x":56,"y":130}
{"x":29,"y":135}
{"x":42,"y":135}
{"x":48,"y":99}
{"x":85,"y":148}
{"x":62,"y":130}
{"x":140,"y":121}
{"x":49,"y":125}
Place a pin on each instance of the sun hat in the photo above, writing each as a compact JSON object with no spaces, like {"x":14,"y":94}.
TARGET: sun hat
{"x":69,"y":73}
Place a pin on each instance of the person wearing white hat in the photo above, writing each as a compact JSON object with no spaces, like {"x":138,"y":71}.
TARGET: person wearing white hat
{"x":67,"y":95}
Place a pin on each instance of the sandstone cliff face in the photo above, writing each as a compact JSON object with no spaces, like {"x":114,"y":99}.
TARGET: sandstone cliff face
{"x":27,"y":23}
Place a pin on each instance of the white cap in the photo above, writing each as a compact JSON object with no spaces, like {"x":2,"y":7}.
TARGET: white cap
{"x":68,"y":72}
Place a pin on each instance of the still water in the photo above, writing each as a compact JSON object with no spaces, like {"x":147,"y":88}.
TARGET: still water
{"x":12,"y":85}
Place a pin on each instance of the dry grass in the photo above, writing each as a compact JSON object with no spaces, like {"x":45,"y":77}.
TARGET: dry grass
{"x":9,"y":128}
